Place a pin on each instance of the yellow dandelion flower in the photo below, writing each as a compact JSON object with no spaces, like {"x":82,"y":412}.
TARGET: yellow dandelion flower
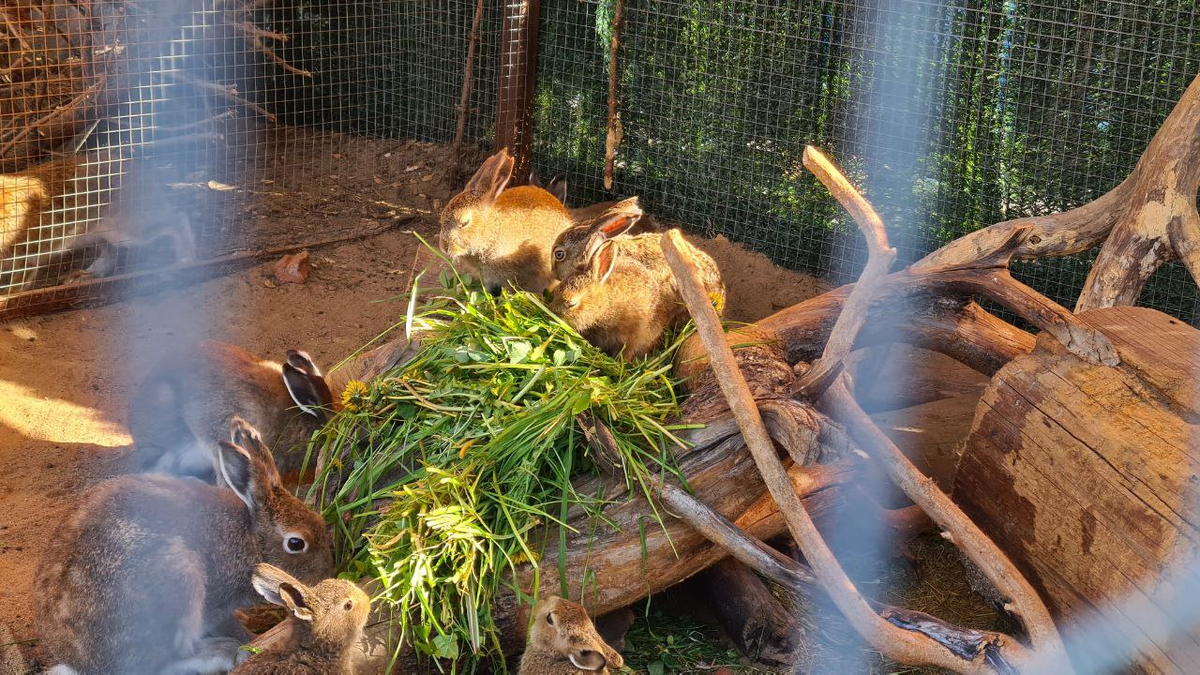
{"x":353,"y":395}
{"x":718,"y":301}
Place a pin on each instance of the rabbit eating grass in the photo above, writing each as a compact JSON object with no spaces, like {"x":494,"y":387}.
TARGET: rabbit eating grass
{"x":329,"y":620}
{"x":504,"y":236}
{"x":144,"y":576}
{"x":622,"y":295}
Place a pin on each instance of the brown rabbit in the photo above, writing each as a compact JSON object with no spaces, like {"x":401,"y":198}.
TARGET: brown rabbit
{"x":574,"y":247}
{"x":563,"y":641}
{"x":184,"y":407}
{"x":329,"y":620}
{"x":504,"y":236}
{"x":625,"y":298}
{"x":144,"y":576}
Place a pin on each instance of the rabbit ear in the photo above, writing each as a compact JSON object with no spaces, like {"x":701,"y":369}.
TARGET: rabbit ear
{"x":267,"y":579}
{"x":246,"y":465}
{"x":619,"y":217}
{"x":243,"y":435}
{"x":295,"y":597}
{"x":604,"y":262}
{"x":491,"y":178}
{"x":309,"y":392}
{"x":246,"y":437}
{"x":614,"y":222}
{"x":236,"y":467}
{"x":587,"y":659}
{"x":614,"y":658}
{"x":302,"y":361}
{"x":558,"y":187}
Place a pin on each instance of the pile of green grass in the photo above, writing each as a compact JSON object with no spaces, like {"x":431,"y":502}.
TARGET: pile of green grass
{"x":444,"y":471}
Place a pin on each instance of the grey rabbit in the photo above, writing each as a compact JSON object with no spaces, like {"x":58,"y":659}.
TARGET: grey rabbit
{"x":185,"y":405}
{"x":145,"y":574}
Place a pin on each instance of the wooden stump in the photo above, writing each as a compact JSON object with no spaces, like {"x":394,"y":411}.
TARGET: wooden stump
{"x":1087,"y":476}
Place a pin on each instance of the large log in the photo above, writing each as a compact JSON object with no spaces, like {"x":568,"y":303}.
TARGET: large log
{"x":1086,"y":475}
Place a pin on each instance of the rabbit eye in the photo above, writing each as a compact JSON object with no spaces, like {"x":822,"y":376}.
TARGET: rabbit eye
{"x":349,"y":605}
{"x":550,"y":619}
{"x":295,"y":545}
{"x":559,"y":254}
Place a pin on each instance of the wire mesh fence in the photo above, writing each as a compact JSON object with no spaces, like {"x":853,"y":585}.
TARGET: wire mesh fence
{"x":953,"y":115}
{"x":131,"y":118}
{"x":137,"y":136}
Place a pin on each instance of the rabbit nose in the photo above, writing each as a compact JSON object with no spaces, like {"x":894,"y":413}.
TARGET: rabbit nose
{"x":587,"y":659}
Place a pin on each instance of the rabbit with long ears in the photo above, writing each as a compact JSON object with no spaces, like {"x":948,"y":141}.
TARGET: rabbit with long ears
{"x":624,"y":298}
{"x":186,"y":403}
{"x":574,"y":247}
{"x":504,"y":236}
{"x":563,"y":641}
{"x":144,"y":576}
{"x":329,"y":620}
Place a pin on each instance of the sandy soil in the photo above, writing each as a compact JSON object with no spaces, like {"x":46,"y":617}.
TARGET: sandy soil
{"x":65,"y":379}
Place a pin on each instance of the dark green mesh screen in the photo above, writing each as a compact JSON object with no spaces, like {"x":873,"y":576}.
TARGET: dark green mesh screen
{"x":953,"y":115}
{"x":391,"y":69}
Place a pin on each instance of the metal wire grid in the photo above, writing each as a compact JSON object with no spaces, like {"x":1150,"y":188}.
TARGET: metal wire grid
{"x":953,"y":115}
{"x":195,"y":106}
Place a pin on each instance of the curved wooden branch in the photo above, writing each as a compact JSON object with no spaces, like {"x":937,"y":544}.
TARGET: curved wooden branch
{"x":1159,"y":220}
{"x":1150,"y":218}
{"x":464,"y":98}
{"x":954,"y":326}
{"x":1025,"y":602}
{"x":896,"y":641}
{"x":880,"y":256}
{"x":952,"y":647}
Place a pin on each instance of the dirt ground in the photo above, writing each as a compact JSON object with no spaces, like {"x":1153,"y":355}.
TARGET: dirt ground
{"x":66,"y":378}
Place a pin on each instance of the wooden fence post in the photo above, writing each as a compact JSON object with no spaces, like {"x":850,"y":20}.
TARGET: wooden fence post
{"x":518,"y":79}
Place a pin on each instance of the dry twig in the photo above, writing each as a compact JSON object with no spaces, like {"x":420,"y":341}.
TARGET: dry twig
{"x":228,"y":91}
{"x":879,"y":260}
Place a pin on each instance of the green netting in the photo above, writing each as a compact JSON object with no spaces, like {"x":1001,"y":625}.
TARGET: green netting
{"x":954,"y":115}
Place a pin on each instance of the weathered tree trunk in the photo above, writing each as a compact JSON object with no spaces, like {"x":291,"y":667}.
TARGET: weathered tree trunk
{"x":1086,"y":475}
{"x":757,"y":622}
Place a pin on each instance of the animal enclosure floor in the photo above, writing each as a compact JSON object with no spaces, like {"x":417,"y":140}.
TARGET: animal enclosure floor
{"x":66,"y":378}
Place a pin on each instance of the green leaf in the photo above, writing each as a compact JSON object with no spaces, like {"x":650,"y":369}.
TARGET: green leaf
{"x":518,"y":351}
{"x":655,"y":668}
{"x":581,"y":403}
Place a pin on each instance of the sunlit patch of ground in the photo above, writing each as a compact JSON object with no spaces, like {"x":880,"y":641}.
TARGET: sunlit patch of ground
{"x":54,"y":420}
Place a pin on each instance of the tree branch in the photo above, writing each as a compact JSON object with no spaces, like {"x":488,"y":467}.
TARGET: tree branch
{"x":890,"y":639}
{"x":880,"y":256}
{"x":464,"y":98}
{"x":965,"y":534}
{"x":944,"y":645}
